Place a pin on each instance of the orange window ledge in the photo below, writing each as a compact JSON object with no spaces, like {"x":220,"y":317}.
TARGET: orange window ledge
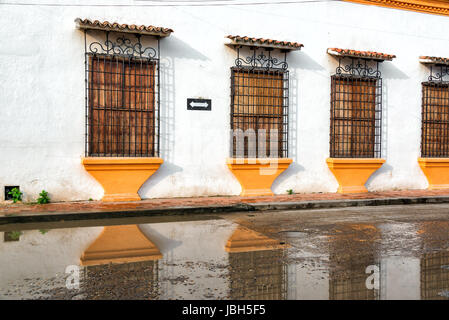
{"x":352,"y":173}
{"x":436,"y":171}
{"x":256,"y":175}
{"x":121,"y":178}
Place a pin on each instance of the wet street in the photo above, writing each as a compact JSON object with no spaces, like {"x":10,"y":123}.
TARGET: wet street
{"x":390,"y":252}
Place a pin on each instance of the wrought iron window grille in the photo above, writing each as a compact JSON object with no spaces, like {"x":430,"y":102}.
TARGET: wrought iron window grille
{"x":261,"y":59}
{"x":358,"y":67}
{"x":439,"y":73}
{"x":123,"y":47}
{"x":259,"y":105}
{"x":122,"y":95}
{"x":356,"y":109}
{"x":435,"y":113}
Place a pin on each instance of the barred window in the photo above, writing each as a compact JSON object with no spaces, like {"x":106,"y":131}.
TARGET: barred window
{"x":121,"y":89}
{"x":121,"y":103}
{"x":356,"y":106}
{"x":259,"y":110}
{"x":435,"y":276}
{"x":435,"y":119}
{"x":258,"y":275}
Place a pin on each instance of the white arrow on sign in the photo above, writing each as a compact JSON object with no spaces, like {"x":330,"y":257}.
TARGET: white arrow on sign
{"x":199,"y":104}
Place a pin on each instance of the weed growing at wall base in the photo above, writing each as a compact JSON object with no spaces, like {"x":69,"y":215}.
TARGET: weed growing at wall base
{"x":44,"y":198}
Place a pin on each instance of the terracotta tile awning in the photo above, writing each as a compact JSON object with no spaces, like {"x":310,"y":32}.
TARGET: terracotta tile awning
{"x":371,"y":55}
{"x":122,"y":27}
{"x":263,"y":43}
{"x":434,"y":60}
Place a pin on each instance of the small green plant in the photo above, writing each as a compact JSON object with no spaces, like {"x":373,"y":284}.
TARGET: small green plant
{"x":44,"y":198}
{"x":13,"y":235}
{"x":290,"y":191}
{"x":90,"y":199}
{"x":43,"y":231}
{"x":15,"y":194}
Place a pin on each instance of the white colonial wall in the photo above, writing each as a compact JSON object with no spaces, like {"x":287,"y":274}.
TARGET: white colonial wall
{"x":42,"y":110}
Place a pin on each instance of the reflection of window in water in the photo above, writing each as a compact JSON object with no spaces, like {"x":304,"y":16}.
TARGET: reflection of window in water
{"x":348,"y":280}
{"x":347,"y":270}
{"x":435,"y":276}
{"x":137,"y":280}
{"x":117,"y":269}
{"x":258,"y":275}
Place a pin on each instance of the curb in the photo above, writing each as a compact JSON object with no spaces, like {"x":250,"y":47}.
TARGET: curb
{"x":329,"y":204}
{"x":240,"y":207}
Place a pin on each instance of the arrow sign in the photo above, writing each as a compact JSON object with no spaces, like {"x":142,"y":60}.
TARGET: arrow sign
{"x":199,"y":104}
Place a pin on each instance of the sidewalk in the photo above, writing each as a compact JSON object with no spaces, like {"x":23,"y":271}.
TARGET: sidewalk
{"x":22,"y":213}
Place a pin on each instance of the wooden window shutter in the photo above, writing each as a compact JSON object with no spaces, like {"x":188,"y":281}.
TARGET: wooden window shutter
{"x":121,"y":107}
{"x":435,"y":120}
{"x":258,"y":103}
{"x":353,"y":117}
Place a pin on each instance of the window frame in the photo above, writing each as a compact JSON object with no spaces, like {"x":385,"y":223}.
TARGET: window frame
{"x":431,"y":119}
{"x":265,"y":64}
{"x":123,"y":50}
{"x":358,"y":71}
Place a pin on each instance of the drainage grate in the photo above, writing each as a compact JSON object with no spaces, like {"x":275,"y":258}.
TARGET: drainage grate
{"x":293,"y":234}
{"x":12,"y":236}
{"x":8,"y":189}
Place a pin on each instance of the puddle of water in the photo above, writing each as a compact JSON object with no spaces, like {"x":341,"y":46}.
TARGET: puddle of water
{"x":221,"y":259}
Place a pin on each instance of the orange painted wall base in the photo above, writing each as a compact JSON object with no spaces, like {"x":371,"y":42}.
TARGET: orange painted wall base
{"x":255,"y":175}
{"x":120,"y":244}
{"x":353,"y":173}
{"x":121,"y":178}
{"x":436,"y":171}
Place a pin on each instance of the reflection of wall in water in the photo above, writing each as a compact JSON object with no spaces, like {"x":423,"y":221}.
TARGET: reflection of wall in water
{"x":307,"y":279}
{"x":347,"y":271}
{"x":400,"y":273}
{"x":258,"y":275}
{"x":194,"y":260}
{"x":43,"y":256}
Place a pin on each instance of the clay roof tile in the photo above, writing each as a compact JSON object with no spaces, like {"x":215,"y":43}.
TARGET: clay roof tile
{"x":129,"y":28}
{"x":361,"y":54}
{"x":434,"y":60}
{"x":262,"y":42}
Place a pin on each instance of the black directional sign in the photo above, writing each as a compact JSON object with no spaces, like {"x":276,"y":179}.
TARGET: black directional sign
{"x":199,"y":104}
